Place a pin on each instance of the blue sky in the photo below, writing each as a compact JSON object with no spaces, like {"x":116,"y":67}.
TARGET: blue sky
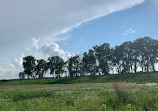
{"x":142,"y":19}
{"x":64,"y":28}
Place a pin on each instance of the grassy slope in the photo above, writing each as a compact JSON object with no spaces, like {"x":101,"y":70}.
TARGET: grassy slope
{"x":110,"y":97}
{"x":133,"y":78}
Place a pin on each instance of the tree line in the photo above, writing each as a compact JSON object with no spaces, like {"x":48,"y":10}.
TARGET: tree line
{"x":141,"y":55}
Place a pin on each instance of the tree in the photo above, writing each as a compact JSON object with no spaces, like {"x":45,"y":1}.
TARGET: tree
{"x":89,"y":62}
{"x":22,"y":75}
{"x":153,"y":54}
{"x":56,"y":65}
{"x":74,"y":65}
{"x":104,"y":56}
{"x":28,"y":65}
{"x":41,"y":68}
{"x":126,"y":57}
{"x":135,"y":55}
{"x":117,"y":57}
{"x":148,"y":52}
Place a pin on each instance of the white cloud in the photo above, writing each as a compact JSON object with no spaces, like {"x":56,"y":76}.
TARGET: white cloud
{"x":129,"y":31}
{"x":48,"y":50}
{"x":22,"y":19}
{"x":56,"y":38}
{"x":44,"y":51}
{"x":12,"y":70}
{"x":17,"y":63}
{"x":54,"y":50}
{"x":9,"y":73}
{"x":2,"y":71}
{"x":35,"y":43}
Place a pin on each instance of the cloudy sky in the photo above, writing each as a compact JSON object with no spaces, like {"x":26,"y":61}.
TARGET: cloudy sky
{"x":44,"y":28}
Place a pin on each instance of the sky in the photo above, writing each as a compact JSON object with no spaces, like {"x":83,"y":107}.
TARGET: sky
{"x":44,"y":28}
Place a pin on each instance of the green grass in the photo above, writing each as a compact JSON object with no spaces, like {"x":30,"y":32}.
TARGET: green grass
{"x":81,"y":98}
{"x":130,"y":92}
{"x":131,"y":78}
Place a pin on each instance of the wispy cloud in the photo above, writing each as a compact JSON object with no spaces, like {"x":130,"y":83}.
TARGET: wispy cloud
{"x":21,"y":20}
{"x":129,"y":31}
{"x":45,"y":18}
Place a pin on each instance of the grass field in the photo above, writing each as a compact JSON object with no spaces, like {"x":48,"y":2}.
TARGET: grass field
{"x":100,"y":93}
{"x":130,"y":78}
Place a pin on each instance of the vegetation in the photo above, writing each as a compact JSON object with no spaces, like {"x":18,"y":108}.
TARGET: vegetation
{"x":113,"y":81}
{"x":29,"y":66}
{"x":101,"y":97}
{"x":128,"y":78}
{"x":56,"y":65}
{"x":101,"y":60}
{"x":40,"y":68}
{"x":100,"y":93}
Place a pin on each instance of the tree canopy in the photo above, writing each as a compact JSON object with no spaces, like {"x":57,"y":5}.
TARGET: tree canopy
{"x":129,"y":57}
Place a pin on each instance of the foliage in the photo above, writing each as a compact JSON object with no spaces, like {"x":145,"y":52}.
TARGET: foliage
{"x":40,"y":68}
{"x":74,"y":66}
{"x":28,"y":65}
{"x":130,"y":78}
{"x":22,"y":75}
{"x":79,"y":98}
{"x":126,"y":58}
{"x":103,"y":55}
{"x":89,"y":63}
{"x":56,"y":65}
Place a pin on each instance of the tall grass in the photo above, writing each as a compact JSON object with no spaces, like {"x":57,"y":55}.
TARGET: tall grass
{"x":115,"y":97}
{"x":121,"y":92}
{"x":130,"y":78}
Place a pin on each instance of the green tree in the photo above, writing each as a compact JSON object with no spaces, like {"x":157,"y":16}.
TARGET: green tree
{"x":89,"y":62}
{"x":117,"y":59}
{"x":28,"y":65}
{"x":135,"y":56}
{"x":148,"y":52}
{"x":74,"y":65}
{"x":126,"y":58}
{"x":104,"y":56}
{"x":153,"y":54}
{"x":22,"y":75}
{"x":41,"y":68}
{"x":56,"y":66}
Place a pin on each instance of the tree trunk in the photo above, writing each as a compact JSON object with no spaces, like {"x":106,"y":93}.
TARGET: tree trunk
{"x":135,"y":66}
{"x":153,"y":67}
{"x":28,"y":76}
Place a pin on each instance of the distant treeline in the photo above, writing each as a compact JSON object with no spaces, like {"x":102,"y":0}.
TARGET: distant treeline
{"x":129,"y":57}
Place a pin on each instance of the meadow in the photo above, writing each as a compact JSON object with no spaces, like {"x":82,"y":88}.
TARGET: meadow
{"x":129,"y":78}
{"x":100,"y":93}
